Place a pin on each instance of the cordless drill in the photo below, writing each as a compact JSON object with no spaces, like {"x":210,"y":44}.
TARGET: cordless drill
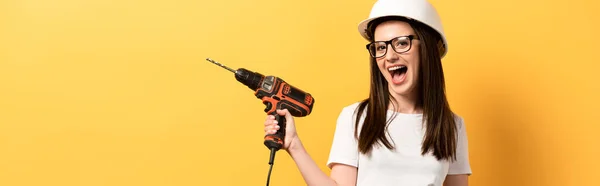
{"x":275,"y":94}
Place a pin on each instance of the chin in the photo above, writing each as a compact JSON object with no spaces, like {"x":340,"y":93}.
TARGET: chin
{"x":402,"y":89}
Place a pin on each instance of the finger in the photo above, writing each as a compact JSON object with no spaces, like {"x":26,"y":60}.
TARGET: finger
{"x":270,"y":121}
{"x":270,"y":131}
{"x":272,"y":127}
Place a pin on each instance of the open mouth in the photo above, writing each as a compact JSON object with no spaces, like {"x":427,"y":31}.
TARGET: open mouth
{"x":398,"y":73}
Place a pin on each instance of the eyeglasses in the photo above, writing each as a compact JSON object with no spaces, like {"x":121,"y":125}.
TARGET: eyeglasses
{"x":399,"y":44}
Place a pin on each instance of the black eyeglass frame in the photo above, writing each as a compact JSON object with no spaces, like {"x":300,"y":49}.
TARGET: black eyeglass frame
{"x":389,"y":42}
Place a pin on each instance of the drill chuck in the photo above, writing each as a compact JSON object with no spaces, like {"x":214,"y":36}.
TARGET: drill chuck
{"x":250,"y":79}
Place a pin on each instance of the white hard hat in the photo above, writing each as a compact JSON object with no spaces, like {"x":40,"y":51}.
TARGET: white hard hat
{"x":417,"y":10}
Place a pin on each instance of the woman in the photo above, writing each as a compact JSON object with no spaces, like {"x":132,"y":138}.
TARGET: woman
{"x":404,"y":133}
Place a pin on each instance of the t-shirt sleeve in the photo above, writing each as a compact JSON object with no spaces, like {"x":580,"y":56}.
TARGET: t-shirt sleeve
{"x":461,"y":165}
{"x":344,"y":148}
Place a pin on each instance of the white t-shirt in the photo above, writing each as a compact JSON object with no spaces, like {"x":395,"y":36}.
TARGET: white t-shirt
{"x":403,"y":166}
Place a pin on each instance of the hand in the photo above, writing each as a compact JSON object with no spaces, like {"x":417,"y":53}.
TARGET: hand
{"x":271,"y":127}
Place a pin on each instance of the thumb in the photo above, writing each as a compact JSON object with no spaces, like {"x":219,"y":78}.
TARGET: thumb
{"x":285,"y":112}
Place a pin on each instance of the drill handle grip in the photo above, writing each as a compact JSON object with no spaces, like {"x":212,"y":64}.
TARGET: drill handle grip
{"x":276,"y":141}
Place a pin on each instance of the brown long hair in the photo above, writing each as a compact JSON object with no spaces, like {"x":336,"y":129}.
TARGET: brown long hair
{"x":440,"y":135}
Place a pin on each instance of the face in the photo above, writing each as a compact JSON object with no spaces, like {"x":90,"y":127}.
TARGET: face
{"x":399,"y":69}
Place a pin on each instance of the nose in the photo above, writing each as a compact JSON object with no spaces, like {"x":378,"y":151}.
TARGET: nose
{"x":391,"y":55}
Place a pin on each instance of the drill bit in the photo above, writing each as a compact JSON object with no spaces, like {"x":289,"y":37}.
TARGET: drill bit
{"x":221,"y":65}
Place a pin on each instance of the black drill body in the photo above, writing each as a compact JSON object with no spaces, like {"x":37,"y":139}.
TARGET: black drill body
{"x":276,"y":94}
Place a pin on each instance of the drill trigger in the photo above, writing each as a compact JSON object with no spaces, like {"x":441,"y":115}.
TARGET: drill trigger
{"x":268,"y":105}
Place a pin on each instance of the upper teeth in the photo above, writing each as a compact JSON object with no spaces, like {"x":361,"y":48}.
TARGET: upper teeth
{"x":395,"y":68}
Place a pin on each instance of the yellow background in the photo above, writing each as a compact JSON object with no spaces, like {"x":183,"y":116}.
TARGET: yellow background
{"x":96,"y":92}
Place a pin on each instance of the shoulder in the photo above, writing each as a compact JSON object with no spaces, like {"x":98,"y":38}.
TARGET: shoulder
{"x":461,"y":128}
{"x":347,"y":115}
{"x":350,"y":111}
{"x":459,"y":120}
{"x":351,"y":108}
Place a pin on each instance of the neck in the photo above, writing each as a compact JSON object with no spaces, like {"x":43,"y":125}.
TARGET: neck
{"x":405,"y":104}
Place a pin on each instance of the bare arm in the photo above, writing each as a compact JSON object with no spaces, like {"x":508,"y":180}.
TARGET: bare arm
{"x":457,"y":180}
{"x":341,"y":175}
